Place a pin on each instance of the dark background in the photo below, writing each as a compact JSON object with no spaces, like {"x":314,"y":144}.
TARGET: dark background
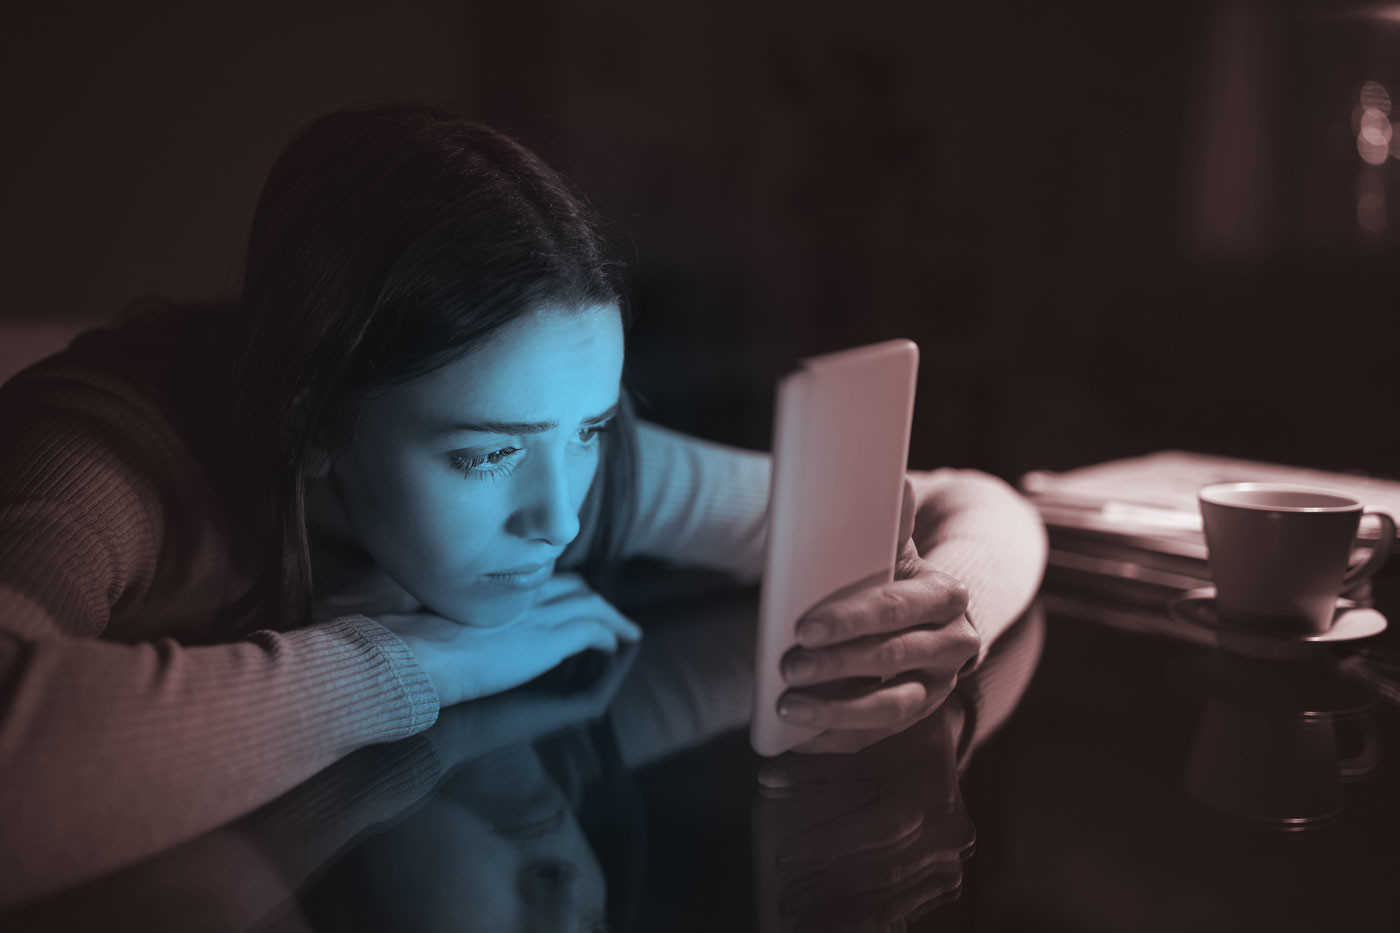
{"x":1112,"y":227}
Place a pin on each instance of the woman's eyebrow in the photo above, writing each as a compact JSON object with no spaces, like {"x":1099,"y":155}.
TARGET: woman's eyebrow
{"x":513,"y":427}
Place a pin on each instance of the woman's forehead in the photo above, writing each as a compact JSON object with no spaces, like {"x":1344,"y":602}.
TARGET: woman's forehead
{"x":542,"y":365}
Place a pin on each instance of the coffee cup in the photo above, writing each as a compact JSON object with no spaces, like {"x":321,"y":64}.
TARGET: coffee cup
{"x":1279,"y":553}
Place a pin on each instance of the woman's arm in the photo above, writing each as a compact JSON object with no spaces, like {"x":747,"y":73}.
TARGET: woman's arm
{"x":977,"y":529}
{"x":699,"y":502}
{"x":705,"y":503}
{"x":112,"y":751}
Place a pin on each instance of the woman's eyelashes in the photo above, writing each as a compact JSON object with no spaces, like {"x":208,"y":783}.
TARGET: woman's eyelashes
{"x":493,"y":465}
{"x":589,"y":434}
{"x":497,"y":464}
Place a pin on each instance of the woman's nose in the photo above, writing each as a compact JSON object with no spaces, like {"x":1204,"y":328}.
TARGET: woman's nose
{"x":547,"y":509}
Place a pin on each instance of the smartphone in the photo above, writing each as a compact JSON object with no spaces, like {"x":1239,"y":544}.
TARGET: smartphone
{"x":840,"y":451}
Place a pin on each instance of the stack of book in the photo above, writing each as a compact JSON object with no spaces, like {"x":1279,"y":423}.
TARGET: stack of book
{"x":1125,"y":536}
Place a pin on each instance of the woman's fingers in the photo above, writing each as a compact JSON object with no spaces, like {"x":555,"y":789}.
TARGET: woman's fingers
{"x":466,"y":662}
{"x":925,"y":598}
{"x":943,"y":649}
{"x":882,"y":828}
{"x":625,"y":628}
{"x":570,"y":599}
{"x":578,"y":635}
{"x":886,"y":708}
{"x":844,"y":741}
{"x":599,"y":609}
{"x":820,"y":909}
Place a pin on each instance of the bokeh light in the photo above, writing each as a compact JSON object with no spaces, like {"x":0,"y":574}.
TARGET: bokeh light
{"x":1374,"y":96}
{"x":1370,"y":122}
{"x":1375,"y":128}
{"x":1370,"y":202}
{"x":1372,"y":153}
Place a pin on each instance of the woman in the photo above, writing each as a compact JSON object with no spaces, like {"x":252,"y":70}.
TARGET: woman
{"x":217,"y":578}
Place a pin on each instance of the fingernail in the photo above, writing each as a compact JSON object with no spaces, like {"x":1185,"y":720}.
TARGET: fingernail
{"x":797,"y":711}
{"x":813,"y":633}
{"x":799,"y":669}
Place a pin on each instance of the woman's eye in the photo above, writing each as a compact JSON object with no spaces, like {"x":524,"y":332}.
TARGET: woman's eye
{"x":592,"y":432}
{"x":495,"y":463}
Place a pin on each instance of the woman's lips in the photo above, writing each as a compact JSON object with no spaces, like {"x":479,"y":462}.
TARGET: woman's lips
{"x":524,"y":577}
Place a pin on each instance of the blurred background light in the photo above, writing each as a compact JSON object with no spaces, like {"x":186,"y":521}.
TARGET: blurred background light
{"x":1370,"y":202}
{"x":1375,"y":128}
{"x":1374,"y":96}
{"x":1371,"y":124}
{"x":1372,"y":153}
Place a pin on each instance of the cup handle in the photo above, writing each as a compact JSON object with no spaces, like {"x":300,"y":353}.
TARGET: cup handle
{"x":1363,"y":571}
{"x":1367,"y":757}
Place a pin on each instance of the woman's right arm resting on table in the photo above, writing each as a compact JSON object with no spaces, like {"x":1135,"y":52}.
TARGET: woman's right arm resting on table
{"x":112,"y":751}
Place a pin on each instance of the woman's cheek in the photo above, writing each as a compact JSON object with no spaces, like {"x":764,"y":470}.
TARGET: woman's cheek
{"x":583,"y":474}
{"x":459,"y":522}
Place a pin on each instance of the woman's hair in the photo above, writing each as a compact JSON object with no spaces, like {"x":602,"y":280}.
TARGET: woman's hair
{"x":390,"y":240}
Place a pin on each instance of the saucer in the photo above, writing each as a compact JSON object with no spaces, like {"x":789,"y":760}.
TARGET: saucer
{"x":1197,"y":607}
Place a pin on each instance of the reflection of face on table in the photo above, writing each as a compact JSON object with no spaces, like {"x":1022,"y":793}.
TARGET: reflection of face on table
{"x":498,"y":848}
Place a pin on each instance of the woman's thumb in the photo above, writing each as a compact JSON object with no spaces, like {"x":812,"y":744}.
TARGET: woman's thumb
{"x":906,"y":512}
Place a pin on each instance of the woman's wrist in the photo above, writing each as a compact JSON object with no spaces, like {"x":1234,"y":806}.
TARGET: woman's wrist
{"x":420,"y":685}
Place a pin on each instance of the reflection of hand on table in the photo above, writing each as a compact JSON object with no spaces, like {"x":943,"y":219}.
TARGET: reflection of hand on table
{"x":866,"y":841}
{"x":912,"y":634}
{"x":534,"y":711}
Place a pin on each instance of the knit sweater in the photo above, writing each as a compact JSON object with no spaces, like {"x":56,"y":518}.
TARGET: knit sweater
{"x":126,"y":726}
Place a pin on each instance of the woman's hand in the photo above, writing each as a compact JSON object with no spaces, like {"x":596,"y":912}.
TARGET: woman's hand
{"x":465,"y":662}
{"x":912,"y":634}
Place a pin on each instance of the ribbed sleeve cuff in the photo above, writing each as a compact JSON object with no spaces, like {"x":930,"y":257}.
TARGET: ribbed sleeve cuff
{"x":420,"y":697}
{"x":978,"y":529}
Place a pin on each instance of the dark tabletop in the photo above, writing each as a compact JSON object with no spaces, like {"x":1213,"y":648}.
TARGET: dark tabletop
{"x":1083,"y":779}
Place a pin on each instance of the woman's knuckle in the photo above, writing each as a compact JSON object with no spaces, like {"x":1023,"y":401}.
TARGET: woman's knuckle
{"x":891,"y":608}
{"x":958,"y":594}
{"x":893,"y":655}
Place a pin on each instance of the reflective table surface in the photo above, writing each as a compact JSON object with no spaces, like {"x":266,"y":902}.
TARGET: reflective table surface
{"x":1082,"y":779}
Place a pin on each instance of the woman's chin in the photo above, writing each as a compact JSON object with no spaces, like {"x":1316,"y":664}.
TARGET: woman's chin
{"x":497,"y":610}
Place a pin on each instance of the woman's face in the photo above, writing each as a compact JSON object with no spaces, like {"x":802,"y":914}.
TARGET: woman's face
{"x":465,"y":484}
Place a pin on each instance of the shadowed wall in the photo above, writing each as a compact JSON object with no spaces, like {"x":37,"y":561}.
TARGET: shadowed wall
{"x":1110,"y":233}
